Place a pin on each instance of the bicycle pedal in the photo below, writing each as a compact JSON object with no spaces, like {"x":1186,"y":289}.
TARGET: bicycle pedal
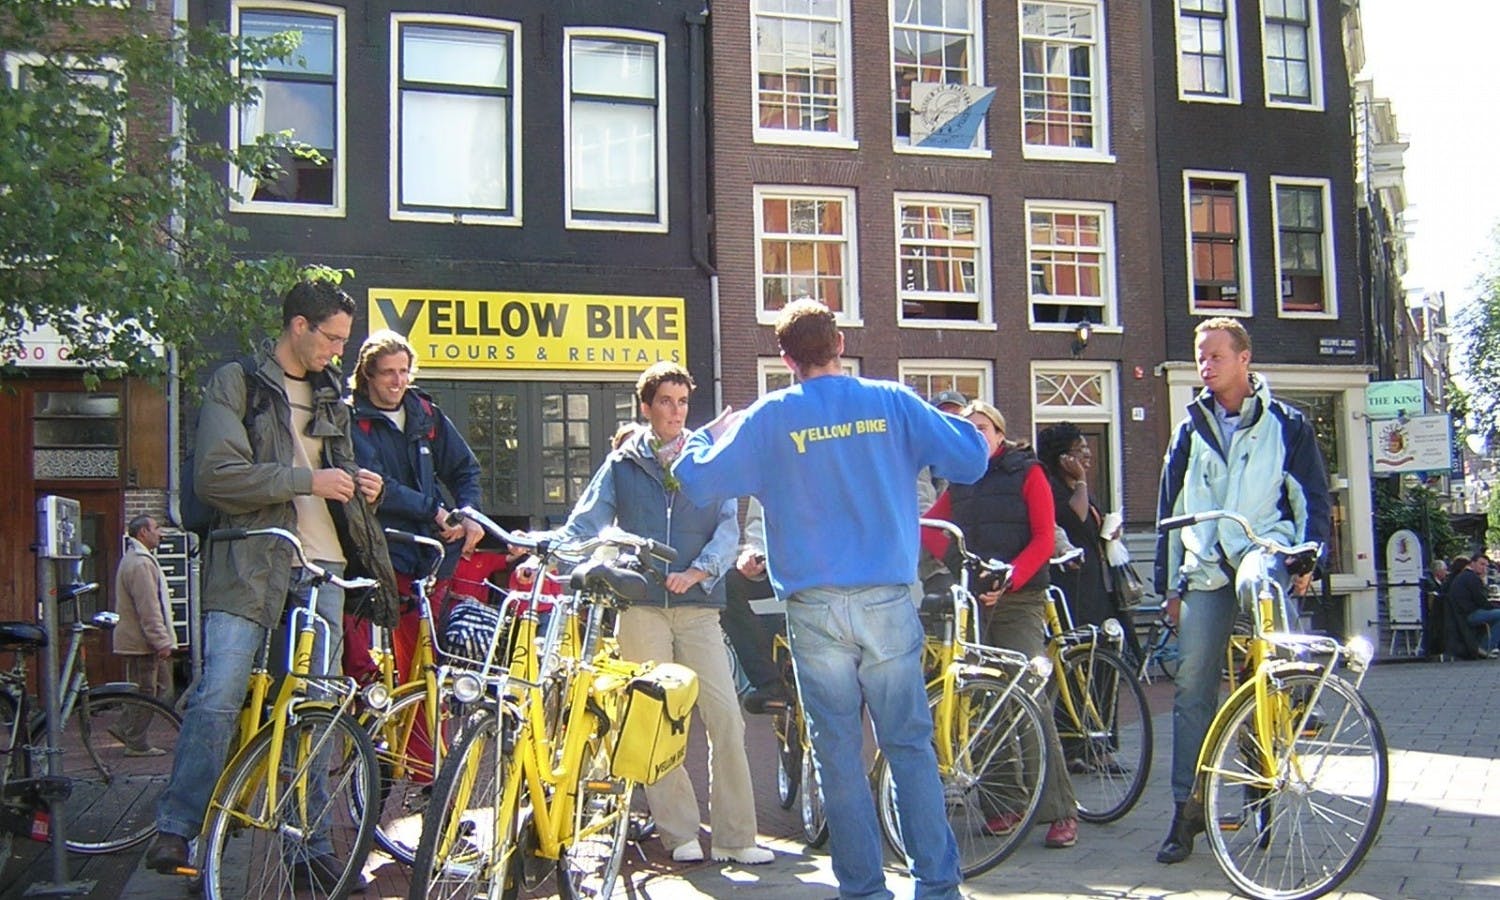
{"x":1231,"y":823}
{"x":187,"y":872}
{"x":605,"y":787}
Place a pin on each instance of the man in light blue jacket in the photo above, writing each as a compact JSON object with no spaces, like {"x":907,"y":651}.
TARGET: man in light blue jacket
{"x":1242,"y":450}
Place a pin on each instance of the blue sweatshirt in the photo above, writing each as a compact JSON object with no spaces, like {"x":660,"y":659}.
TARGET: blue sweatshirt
{"x":834,"y":461}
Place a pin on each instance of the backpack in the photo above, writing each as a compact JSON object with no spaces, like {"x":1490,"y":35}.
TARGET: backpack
{"x":197,"y":515}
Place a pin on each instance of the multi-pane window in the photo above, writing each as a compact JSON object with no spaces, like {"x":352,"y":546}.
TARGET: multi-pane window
{"x":1303,"y":260}
{"x":300,"y":96}
{"x":1071,"y":277}
{"x":932,"y":43}
{"x":1291,"y":51}
{"x":1205,"y":49}
{"x":456,"y":81}
{"x":930,"y":377}
{"x":805,"y":248}
{"x":1062,"y":96}
{"x":942,"y":258}
{"x":1216,"y":262}
{"x":75,"y":435}
{"x":801,"y":69}
{"x":616,"y":130}
{"x":771,"y":373}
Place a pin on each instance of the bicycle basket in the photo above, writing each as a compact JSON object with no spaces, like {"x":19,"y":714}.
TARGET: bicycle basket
{"x":654,"y":720}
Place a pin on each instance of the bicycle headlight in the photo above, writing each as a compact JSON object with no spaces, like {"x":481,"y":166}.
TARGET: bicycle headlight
{"x":1360,"y":651}
{"x":1113,"y":629}
{"x":1041,"y":667}
{"x":376,"y":696}
{"x":467,"y":687}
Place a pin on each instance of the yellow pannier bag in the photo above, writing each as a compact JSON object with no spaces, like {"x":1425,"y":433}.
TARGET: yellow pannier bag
{"x":654,"y":718}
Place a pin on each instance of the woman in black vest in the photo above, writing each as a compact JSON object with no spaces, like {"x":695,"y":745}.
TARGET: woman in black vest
{"x":1008,"y":515}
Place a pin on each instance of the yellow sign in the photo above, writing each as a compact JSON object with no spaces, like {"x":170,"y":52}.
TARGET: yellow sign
{"x":494,"y":330}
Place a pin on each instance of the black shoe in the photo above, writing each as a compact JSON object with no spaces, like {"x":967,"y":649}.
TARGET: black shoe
{"x":168,"y":853}
{"x":321,"y":874}
{"x":762,"y":700}
{"x":1179,"y":843}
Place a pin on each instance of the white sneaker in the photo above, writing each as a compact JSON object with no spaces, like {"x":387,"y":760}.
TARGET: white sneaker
{"x":691,"y":851}
{"x":745,"y":856}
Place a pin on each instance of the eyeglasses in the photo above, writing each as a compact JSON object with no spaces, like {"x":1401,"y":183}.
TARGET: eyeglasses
{"x":338,"y":340}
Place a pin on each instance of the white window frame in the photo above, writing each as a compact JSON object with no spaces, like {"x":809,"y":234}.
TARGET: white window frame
{"x":1108,"y":413}
{"x":983,"y":263}
{"x":1314,"y":103}
{"x":456,"y":216}
{"x":338,"y":209}
{"x":982,"y":369}
{"x":1100,"y":152}
{"x":844,"y":137}
{"x":659,"y":225}
{"x":980,"y":148}
{"x":1110,"y":311}
{"x":850,"y":314}
{"x":1231,"y":57}
{"x":1330,"y":289}
{"x":1247,"y":306}
{"x":768,"y":366}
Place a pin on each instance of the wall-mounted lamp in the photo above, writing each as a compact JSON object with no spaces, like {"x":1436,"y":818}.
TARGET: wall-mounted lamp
{"x":1081,"y":334}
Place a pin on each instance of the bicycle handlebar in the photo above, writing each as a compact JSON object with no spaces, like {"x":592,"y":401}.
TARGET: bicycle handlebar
{"x":239,"y":534}
{"x":991,"y":566}
{"x":609,"y":537}
{"x":1174,"y":522}
{"x":397,"y":536}
{"x":1066,"y":558}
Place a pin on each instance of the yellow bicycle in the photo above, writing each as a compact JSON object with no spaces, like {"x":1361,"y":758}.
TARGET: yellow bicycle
{"x":1292,"y":777}
{"x":534,"y":785}
{"x":1100,"y":710}
{"x":285,"y":816}
{"x":987,"y":727}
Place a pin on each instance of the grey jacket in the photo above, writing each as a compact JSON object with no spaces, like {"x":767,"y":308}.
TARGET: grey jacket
{"x":251,"y":479}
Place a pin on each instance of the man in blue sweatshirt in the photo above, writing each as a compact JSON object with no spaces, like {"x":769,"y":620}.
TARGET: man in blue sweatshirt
{"x":834,"y":461}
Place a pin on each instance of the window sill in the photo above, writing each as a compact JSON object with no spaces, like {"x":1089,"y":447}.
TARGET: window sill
{"x":1231,"y":100}
{"x":455,"y":218}
{"x":1064,"y":154}
{"x":1240,"y":313}
{"x":309,"y":210}
{"x":1309,"y":106}
{"x":945,"y":324}
{"x":805,"y":139}
{"x":970,"y":153}
{"x":635,"y":227}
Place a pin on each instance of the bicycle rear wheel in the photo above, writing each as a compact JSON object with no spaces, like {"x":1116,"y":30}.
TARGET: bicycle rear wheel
{"x":117,"y":751}
{"x":1293,"y":818}
{"x":589,"y":864}
{"x":786,"y":723}
{"x":464,"y":846}
{"x":1105,"y":728}
{"x":994,"y":786}
{"x":814,"y":817}
{"x":307,"y":843}
{"x":14,"y":763}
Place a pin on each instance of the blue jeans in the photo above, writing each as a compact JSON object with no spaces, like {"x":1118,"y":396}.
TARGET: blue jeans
{"x":1490,"y":617}
{"x":230,"y":646}
{"x":864,"y":646}
{"x":1205,"y":622}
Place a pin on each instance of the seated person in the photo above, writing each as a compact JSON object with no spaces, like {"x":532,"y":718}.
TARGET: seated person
{"x":751,"y":634}
{"x":1468,"y":599}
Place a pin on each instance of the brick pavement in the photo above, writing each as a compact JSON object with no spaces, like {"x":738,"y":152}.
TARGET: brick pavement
{"x":1440,"y":838}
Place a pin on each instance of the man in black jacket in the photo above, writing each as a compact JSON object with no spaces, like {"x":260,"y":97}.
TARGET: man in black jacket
{"x":1468,"y":597}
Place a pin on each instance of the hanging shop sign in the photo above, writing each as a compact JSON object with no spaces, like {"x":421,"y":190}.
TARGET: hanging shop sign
{"x":503,"y":330}
{"x":1388,"y":399}
{"x":1418,"y":444}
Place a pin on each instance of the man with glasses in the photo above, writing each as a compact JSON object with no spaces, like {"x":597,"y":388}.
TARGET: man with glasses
{"x":273,"y":449}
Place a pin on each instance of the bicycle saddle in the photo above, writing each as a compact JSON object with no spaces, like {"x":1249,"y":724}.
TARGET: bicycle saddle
{"x":21,"y":635}
{"x":597,"y":577}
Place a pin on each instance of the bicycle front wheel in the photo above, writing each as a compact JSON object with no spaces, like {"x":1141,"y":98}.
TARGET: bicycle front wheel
{"x":1105,"y":728}
{"x":117,"y":751}
{"x":814,"y":817}
{"x":787,"y":724}
{"x":1291,"y":818}
{"x":993,"y":786}
{"x":289,"y":831}
{"x":467,"y":841}
{"x":409,"y":757}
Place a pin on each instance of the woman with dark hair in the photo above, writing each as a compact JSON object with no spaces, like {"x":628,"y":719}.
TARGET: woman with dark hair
{"x":1065,"y":455}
